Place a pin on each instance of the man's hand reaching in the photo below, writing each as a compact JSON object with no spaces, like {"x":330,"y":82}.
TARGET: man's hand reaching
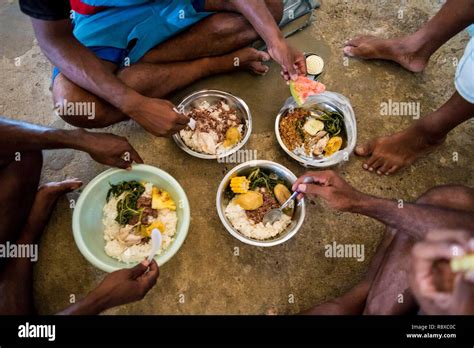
{"x":292,"y":61}
{"x":158,"y":116}
{"x":329,"y":186}
{"x":109,"y":149}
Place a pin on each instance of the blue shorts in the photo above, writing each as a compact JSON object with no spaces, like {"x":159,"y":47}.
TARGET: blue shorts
{"x":464,"y":80}
{"x":122,"y":34}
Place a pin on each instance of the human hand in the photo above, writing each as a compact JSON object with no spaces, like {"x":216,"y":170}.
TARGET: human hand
{"x":430,"y":270}
{"x":329,"y":186}
{"x":126,"y":285}
{"x":158,"y":116}
{"x":109,"y":149}
{"x":292,"y":60}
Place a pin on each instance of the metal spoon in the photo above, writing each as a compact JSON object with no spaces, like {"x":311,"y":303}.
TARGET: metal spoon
{"x":275,"y":214}
{"x":156,"y":241}
{"x":192,"y":121}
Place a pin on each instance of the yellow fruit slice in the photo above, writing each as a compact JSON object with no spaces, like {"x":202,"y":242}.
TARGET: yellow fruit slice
{"x":146,"y":231}
{"x":463,"y":264}
{"x":161,"y":200}
{"x":313,"y":127}
{"x":334,"y":145}
{"x":250,"y":201}
{"x":232,"y":137}
{"x":239,"y":184}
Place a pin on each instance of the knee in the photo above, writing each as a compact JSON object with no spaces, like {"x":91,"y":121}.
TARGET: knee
{"x":80,"y":108}
{"x":276,"y":9}
{"x":450,"y":196}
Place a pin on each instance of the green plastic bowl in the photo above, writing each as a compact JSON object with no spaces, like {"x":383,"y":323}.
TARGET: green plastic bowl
{"x":87,"y":224}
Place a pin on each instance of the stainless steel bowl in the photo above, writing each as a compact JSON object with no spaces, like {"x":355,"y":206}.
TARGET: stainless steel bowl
{"x":214,"y":96}
{"x":327,"y":101}
{"x":243,"y":170}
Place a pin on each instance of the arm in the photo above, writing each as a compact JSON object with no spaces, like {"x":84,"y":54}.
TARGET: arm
{"x":17,"y":136}
{"x":118,"y":288}
{"x":83,"y":68}
{"x":109,"y":149}
{"x":414,"y":219}
{"x":257,"y":13}
{"x":80,"y":65}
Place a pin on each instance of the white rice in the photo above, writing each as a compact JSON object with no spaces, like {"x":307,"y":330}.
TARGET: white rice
{"x":206,"y":142}
{"x":136,"y":253}
{"x":239,"y":219}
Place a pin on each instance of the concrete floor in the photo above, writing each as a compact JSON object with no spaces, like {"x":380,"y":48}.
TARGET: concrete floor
{"x":205,"y":271}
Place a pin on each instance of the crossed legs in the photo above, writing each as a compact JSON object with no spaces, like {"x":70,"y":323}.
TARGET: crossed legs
{"x":208,"y":48}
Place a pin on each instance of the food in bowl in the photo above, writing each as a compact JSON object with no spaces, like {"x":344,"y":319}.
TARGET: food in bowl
{"x":312,"y":132}
{"x":133,"y":210}
{"x":304,"y":87}
{"x":251,"y":197}
{"x":216,"y":128}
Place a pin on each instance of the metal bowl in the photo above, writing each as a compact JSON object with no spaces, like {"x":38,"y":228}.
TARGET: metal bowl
{"x":212,"y":97}
{"x":243,"y":170}
{"x":327,"y":101}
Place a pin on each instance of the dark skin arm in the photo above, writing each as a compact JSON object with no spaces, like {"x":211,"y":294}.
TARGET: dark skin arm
{"x":415,"y":219}
{"x":83,"y":68}
{"x":257,"y":13}
{"x":118,"y":288}
{"x":108,"y":149}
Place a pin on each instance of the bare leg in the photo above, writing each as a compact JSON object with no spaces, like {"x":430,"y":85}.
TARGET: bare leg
{"x":391,"y":153}
{"x":224,"y":32}
{"x":181,"y":58}
{"x":392,"y":278}
{"x":353,"y":302}
{"x":414,"y":51}
{"x":154,"y":80}
{"x":16,"y":278}
{"x":387,"y":275}
{"x":19,"y":185}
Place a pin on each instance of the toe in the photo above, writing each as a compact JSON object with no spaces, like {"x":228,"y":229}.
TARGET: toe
{"x":259,"y":68}
{"x":263,"y":56}
{"x":392,"y":170}
{"x":358,"y":40}
{"x":369,"y":164}
{"x":384,"y":168}
{"x":377,"y":165}
{"x":359,"y":51}
{"x":365,"y":150}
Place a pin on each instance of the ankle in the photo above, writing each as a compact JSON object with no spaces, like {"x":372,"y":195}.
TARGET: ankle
{"x":428,"y":133}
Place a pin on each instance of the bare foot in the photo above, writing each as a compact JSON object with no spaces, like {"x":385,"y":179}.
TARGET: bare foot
{"x":401,"y":51}
{"x":391,"y":153}
{"x":244,"y":59}
{"x":49,"y":193}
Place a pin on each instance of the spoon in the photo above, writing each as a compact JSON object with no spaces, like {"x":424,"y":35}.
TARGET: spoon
{"x":192,"y":121}
{"x":275,"y":214}
{"x":156,"y":241}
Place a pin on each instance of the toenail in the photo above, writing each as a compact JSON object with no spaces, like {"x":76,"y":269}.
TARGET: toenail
{"x":379,"y":172}
{"x":371,"y":169}
{"x":365,"y":166}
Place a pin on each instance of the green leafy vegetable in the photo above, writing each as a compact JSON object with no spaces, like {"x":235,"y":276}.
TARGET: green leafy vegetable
{"x":127,"y":205}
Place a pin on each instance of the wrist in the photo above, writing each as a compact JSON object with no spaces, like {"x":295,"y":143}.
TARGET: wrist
{"x":131,"y":103}
{"x":79,"y":139}
{"x":276,"y":40}
{"x":96,"y":302}
{"x":362,"y":203}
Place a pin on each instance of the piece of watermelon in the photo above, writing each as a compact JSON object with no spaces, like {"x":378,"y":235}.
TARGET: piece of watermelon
{"x":303,"y":88}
